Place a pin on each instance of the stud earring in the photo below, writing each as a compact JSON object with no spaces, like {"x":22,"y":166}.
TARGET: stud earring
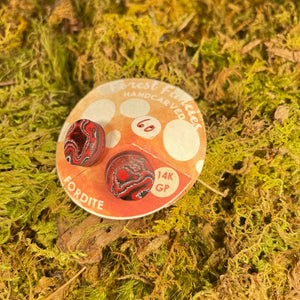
{"x":84,"y":143}
{"x":129,"y":175}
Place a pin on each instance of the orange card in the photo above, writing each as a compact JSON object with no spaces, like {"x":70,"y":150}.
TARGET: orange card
{"x":157,"y":120}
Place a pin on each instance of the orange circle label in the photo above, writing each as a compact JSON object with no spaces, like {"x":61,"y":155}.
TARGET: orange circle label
{"x":160,"y":121}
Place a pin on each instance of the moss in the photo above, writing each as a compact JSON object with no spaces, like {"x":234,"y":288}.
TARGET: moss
{"x":240,"y":61}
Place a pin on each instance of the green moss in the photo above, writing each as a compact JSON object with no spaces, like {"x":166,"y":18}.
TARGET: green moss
{"x":240,"y":61}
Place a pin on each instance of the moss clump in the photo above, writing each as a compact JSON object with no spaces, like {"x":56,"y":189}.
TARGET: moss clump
{"x":240,"y":60}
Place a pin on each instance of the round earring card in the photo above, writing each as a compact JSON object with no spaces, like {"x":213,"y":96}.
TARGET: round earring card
{"x":150,"y":143}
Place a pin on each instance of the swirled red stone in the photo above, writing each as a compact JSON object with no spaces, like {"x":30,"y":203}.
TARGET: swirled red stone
{"x":84,"y":143}
{"x":129,"y":175}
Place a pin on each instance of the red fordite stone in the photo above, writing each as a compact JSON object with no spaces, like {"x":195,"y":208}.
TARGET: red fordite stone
{"x":129,"y":175}
{"x":84,"y":143}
